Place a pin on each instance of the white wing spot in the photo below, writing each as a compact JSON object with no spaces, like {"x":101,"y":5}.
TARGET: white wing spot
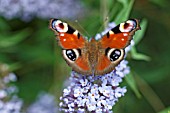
{"x":122,"y":39}
{"x":75,"y":33}
{"x":64,"y":39}
{"x":132,"y":24}
{"x":121,"y":27}
{"x":62,"y":34}
{"x":111,"y":32}
{"x":125,"y":34}
{"x":65,"y":29}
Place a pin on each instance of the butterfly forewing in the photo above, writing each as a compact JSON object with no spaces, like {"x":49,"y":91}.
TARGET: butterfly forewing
{"x":68,"y":37}
{"x":120,"y":36}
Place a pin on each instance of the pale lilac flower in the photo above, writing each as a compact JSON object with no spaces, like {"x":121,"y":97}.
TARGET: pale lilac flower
{"x":93,"y":94}
{"x":3,"y":94}
{"x":9,"y":101}
{"x":101,"y":94}
{"x":67,"y":91}
{"x":78,"y":92}
{"x":91,"y":105}
{"x":98,"y":110}
{"x":28,"y":9}
{"x":81,"y":110}
{"x":105,"y":90}
{"x":120,"y":92}
{"x":45,"y":103}
{"x":101,"y":101}
{"x":10,"y":78}
{"x":12,"y":106}
{"x":83,"y":82}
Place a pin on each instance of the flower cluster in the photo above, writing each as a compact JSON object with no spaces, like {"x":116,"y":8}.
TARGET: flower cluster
{"x":96,"y":94}
{"x":27,"y":9}
{"x":9,"y":101}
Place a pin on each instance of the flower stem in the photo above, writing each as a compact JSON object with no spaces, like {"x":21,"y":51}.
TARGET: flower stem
{"x":104,"y":12}
{"x":149,"y":94}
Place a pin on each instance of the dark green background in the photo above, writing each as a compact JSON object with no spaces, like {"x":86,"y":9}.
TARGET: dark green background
{"x":31,"y":51}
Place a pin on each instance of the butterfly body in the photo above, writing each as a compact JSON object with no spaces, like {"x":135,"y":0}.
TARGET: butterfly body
{"x":94,"y":56}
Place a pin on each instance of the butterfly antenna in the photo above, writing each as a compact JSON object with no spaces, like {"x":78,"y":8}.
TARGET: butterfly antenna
{"x":82,"y":28}
{"x":104,"y":9}
{"x":104,"y":23}
{"x":103,"y":27}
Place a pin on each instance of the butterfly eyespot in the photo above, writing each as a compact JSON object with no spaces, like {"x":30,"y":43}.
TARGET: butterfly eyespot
{"x":59,"y":26}
{"x":127,"y":26}
{"x":115,"y":54}
{"x":71,"y":54}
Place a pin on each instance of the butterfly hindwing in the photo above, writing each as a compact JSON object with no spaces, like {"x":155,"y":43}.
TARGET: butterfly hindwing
{"x":109,"y":60}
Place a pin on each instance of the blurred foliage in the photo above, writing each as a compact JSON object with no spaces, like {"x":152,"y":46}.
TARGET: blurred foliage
{"x":167,"y":110}
{"x":30,"y":50}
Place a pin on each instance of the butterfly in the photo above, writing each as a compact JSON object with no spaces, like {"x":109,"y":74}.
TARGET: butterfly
{"x":95,"y":57}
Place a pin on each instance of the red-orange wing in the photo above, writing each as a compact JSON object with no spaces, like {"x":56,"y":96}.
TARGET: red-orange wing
{"x":119,"y":37}
{"x":68,"y":37}
{"x":72,"y":44}
{"x":113,"y":44}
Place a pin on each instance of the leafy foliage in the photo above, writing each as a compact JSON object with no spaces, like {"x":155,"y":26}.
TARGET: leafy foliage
{"x":30,"y":50}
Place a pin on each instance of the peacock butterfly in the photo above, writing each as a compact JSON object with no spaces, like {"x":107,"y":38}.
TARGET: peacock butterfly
{"x":96,"y":57}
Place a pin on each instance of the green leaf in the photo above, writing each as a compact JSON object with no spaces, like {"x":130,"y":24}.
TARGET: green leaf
{"x":125,"y":12}
{"x":131,"y":82}
{"x":14,"y":66}
{"x":124,"y":2}
{"x":116,"y":7}
{"x":166,"y":110}
{"x":140,"y":34}
{"x":8,"y":40}
{"x":157,"y":74}
{"x":149,"y":94}
{"x":4,"y":25}
{"x":138,"y":56}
